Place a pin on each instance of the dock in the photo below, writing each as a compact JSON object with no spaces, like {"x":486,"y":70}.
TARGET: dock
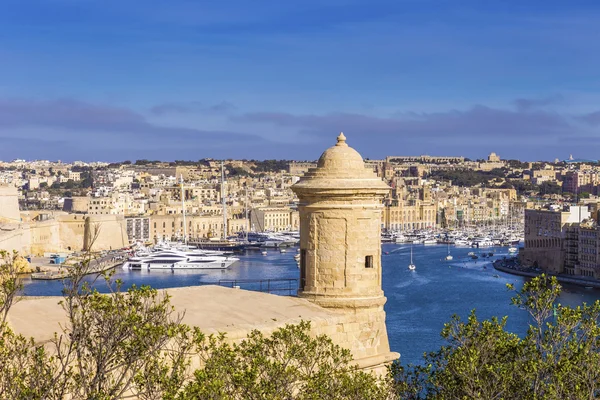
{"x":96,"y":266}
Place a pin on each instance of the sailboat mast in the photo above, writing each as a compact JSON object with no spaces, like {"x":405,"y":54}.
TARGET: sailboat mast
{"x":183,"y":210}
{"x":223,"y":201}
{"x":248,"y":222}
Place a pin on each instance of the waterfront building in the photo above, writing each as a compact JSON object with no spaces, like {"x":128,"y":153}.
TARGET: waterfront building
{"x":410,"y":214}
{"x":545,"y":235}
{"x":138,"y":229}
{"x":170,"y":226}
{"x":273,"y":219}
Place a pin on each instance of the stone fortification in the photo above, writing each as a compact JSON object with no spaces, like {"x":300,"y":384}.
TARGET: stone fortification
{"x":340,"y":249}
{"x":105,"y":232}
{"x":63,"y":232}
{"x":9,"y":205}
{"x":213,"y":309}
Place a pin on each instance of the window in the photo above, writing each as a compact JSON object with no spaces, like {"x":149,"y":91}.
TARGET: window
{"x":368,"y":261}
{"x":302,"y":268}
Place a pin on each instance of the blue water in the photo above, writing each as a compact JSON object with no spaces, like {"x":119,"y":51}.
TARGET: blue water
{"x":419,"y":302}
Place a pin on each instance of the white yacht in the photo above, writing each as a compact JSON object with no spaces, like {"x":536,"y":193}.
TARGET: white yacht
{"x":172,"y":259}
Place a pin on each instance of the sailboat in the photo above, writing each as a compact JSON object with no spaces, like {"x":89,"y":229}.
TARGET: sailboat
{"x":449,"y":256}
{"x":411,"y":266}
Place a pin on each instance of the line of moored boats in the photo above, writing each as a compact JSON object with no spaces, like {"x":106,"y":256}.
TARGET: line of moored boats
{"x":461,"y":238}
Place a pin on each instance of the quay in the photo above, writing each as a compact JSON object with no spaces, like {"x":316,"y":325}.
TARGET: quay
{"x":96,"y":266}
{"x":512,"y":267}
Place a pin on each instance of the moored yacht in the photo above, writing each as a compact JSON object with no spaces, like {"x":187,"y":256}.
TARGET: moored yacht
{"x":180,"y":260}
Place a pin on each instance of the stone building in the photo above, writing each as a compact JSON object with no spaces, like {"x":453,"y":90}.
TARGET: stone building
{"x":407,"y":215}
{"x":170,"y":226}
{"x":340,"y":250}
{"x":273,"y":219}
{"x":546,"y":234}
{"x":299,"y":168}
{"x":138,"y":229}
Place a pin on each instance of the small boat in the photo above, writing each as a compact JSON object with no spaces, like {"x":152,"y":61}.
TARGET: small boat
{"x":496,"y":276}
{"x":264,"y":253}
{"x":411,"y":266}
{"x":512,"y":249}
{"x":474,"y":257}
{"x":282,"y":250}
{"x":297,"y":257}
{"x":470,"y":254}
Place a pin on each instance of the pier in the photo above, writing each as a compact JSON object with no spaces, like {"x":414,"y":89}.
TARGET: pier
{"x":96,"y":266}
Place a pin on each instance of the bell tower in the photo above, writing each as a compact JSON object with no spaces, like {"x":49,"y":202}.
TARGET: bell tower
{"x":340,"y":245}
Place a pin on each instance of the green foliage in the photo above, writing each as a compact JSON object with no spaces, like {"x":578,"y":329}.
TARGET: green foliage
{"x":289,"y":364}
{"x":270,"y":165}
{"x":516,"y":164}
{"x":557,"y":359}
{"x":26,"y":369}
{"x":112,"y":339}
{"x":550,"y":188}
{"x":10,"y":284}
{"x":236,"y":171}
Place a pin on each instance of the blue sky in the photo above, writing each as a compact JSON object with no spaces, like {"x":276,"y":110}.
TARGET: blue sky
{"x":173,"y":79}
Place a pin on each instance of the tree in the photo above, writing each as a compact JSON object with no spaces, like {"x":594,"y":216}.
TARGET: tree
{"x":288,"y":365}
{"x":557,"y":358}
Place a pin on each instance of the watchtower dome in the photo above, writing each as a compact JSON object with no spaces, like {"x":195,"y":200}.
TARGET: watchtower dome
{"x":340,"y":230}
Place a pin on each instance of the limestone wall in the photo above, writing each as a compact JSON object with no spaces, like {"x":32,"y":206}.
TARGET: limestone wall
{"x":44,"y":237}
{"x":71,"y":230}
{"x":11,"y":238}
{"x":105,"y":232}
{"x":9,"y":204}
{"x":62,"y":233}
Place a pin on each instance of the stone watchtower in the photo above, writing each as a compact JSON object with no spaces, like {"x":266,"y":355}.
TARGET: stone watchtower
{"x":340,"y":247}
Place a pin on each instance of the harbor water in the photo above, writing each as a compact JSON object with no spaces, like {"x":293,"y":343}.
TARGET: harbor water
{"x":418,"y":302}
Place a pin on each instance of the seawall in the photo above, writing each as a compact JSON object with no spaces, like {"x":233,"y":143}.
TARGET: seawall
{"x":560,"y":278}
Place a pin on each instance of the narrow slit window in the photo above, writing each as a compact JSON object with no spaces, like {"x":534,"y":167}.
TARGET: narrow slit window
{"x":369,"y":262}
{"x":302,"y":268}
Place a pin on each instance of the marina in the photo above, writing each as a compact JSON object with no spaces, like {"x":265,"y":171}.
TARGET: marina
{"x":418,"y":304}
